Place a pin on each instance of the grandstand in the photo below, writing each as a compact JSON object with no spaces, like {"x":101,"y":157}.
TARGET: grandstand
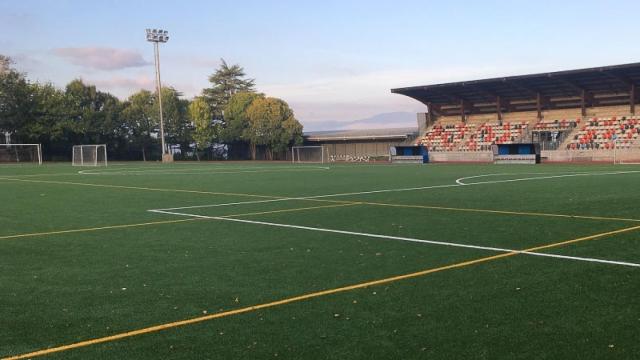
{"x":576,"y":115}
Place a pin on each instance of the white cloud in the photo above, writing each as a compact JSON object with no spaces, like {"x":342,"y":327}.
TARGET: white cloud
{"x":102,"y":58}
{"x":358,"y":96}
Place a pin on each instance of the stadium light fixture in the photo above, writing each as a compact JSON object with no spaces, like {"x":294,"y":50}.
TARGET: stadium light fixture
{"x":157,"y":36}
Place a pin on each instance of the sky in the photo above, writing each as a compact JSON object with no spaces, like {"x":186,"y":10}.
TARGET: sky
{"x":334,"y":62}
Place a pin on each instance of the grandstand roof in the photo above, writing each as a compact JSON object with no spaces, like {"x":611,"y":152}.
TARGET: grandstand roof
{"x":600,"y":86}
{"x":361,"y":134}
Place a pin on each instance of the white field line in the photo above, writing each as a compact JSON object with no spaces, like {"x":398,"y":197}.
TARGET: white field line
{"x":303,"y":197}
{"x":183,"y":167}
{"x":224,"y":204}
{"x":459,"y":182}
{"x":400,"y":238}
{"x":467,"y":184}
{"x":200,"y":170}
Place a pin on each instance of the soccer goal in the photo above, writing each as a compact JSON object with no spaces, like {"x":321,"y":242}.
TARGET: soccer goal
{"x":20,"y":153}
{"x":626,"y":151}
{"x":89,"y":155}
{"x":307,"y":154}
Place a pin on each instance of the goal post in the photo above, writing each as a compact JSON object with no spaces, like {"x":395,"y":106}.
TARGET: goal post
{"x":307,"y":154}
{"x":626,"y":151}
{"x":89,"y":155}
{"x":21,"y":153}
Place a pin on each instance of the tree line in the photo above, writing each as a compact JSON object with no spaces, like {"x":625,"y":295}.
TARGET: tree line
{"x":228,"y":120}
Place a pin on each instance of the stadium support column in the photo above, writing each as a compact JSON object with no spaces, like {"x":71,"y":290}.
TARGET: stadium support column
{"x":632,"y":99}
{"x":499,"y":107}
{"x":539,"y":105}
{"x":462,"y":106}
{"x":583,"y":103}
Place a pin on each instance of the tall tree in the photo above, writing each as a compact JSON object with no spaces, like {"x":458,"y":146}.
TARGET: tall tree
{"x":236,"y":119}
{"x":204,"y":131}
{"x":225,"y":82}
{"x":49,"y":121}
{"x":141,"y":122}
{"x":5,"y":64}
{"x":272,"y":125}
{"x":177,"y":126}
{"x":16,"y":99}
{"x":94,"y":114}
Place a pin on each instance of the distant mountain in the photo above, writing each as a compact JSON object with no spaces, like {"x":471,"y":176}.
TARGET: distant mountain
{"x":384,"y":120}
{"x":378,"y":121}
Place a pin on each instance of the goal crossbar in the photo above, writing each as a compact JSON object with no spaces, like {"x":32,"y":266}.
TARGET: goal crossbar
{"x":307,"y":154}
{"x":89,"y":155}
{"x":626,"y":151}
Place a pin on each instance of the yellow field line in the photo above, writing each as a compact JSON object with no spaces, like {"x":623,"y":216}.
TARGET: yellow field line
{"x":504,"y":212}
{"x":303,"y":297}
{"x":124,"y":226}
{"x":271,"y":197}
{"x":287,"y":210}
{"x":585,"y":238}
{"x":446,"y":208}
{"x":138,"y":188}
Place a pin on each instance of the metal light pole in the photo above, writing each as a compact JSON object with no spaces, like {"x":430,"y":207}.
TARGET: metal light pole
{"x":159,"y":36}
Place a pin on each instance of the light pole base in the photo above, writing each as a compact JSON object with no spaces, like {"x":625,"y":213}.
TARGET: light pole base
{"x":167,"y":158}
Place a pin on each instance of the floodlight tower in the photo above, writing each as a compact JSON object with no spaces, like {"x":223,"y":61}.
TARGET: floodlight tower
{"x":157,"y":36}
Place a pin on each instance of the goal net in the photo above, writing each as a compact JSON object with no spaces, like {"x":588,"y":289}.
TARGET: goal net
{"x":20,"y":153}
{"x":626,"y":151}
{"x":307,"y":154}
{"x":89,"y":155}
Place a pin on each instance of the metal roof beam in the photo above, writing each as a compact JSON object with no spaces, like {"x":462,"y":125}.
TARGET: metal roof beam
{"x":520,"y":87}
{"x":620,"y":78}
{"x":579,"y":89}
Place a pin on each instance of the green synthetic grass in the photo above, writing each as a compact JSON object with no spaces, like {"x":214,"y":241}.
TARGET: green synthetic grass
{"x":63,"y":288}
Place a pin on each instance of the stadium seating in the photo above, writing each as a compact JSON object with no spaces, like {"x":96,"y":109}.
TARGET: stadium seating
{"x":473,"y":137}
{"x":495,"y":133}
{"x":556,"y":125}
{"x":447,"y":137}
{"x":605,"y":133}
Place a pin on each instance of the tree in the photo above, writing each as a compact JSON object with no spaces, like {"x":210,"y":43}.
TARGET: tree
{"x":49,"y":117}
{"x":226,"y":81}
{"x":16,"y":98}
{"x":95,"y":115}
{"x":271,"y":124}
{"x":140,"y":121}
{"x":177,"y":126}
{"x":5,"y":64}
{"x":236,"y":119}
{"x":204,"y":131}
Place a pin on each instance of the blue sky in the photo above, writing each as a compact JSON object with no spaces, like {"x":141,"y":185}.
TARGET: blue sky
{"x":333,"y":61}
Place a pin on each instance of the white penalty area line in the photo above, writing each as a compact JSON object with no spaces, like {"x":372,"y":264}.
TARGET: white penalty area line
{"x":460,"y":181}
{"x":401,"y":238}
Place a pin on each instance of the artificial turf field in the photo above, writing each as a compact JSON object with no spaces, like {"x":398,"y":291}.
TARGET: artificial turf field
{"x":263,"y":260}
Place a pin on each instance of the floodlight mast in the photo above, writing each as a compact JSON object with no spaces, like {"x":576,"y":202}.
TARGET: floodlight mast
{"x":159,"y":36}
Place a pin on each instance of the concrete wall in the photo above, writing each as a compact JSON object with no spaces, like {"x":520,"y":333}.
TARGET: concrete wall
{"x":461,"y":156}
{"x":358,"y":148}
{"x":607,"y":156}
